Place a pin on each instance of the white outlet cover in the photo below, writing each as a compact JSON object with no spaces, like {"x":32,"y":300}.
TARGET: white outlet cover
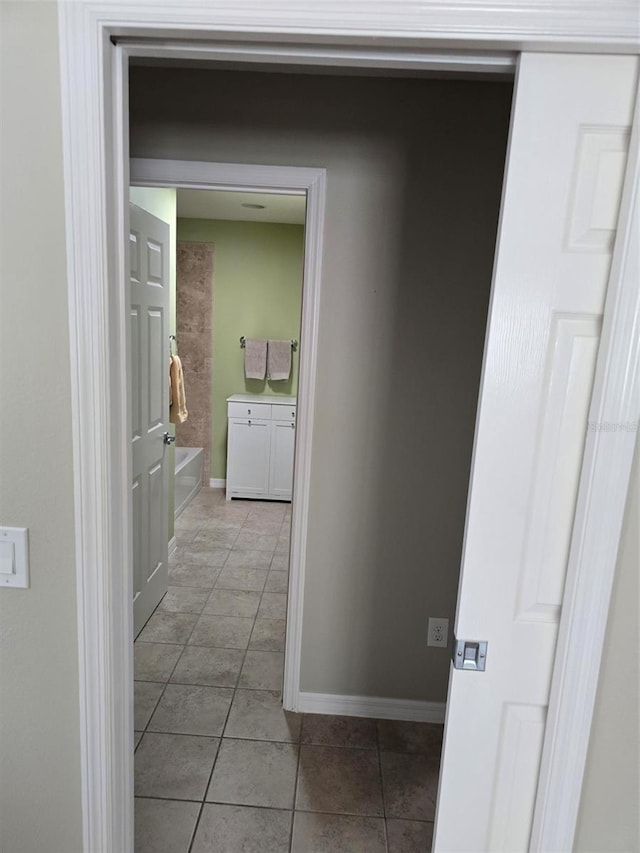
{"x":438,"y":632}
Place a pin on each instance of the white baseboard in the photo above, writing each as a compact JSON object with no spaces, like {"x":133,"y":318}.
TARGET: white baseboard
{"x":371,"y":706}
{"x":216,"y":483}
{"x":173,"y":544}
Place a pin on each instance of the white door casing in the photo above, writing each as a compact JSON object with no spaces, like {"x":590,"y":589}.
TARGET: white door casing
{"x":95,"y":146}
{"x":149,"y":388}
{"x":565,"y":167}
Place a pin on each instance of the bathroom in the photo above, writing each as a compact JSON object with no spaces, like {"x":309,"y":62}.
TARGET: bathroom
{"x":236,"y":265}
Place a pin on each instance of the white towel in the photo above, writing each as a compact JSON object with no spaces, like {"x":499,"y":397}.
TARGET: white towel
{"x":255,"y":358}
{"x":279,"y":360}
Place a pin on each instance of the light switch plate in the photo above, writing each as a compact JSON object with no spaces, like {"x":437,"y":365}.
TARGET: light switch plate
{"x":14,"y":557}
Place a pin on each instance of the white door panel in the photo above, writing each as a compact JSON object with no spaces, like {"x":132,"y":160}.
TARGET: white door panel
{"x":283,"y":436}
{"x":567,"y":149}
{"x":149,"y":348}
{"x":248,"y":458}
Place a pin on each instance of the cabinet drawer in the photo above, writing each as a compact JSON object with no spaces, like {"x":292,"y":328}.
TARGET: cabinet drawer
{"x":249,"y":410}
{"x":283,"y":413}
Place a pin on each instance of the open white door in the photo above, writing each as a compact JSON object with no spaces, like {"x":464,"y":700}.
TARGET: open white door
{"x":149,"y":264}
{"x":567,"y":151}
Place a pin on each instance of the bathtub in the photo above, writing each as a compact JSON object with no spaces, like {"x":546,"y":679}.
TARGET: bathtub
{"x":188,"y":476}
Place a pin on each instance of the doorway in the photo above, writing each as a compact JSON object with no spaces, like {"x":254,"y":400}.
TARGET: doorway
{"x":535,"y":67}
{"x":405,"y":308}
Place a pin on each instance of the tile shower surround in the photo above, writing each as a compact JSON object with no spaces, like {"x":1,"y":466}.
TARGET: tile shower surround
{"x":194,"y":330}
{"x":220,"y":767}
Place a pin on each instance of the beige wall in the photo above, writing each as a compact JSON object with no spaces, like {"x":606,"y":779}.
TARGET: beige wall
{"x":608,"y":819}
{"x":39,"y":712}
{"x":39,"y":754}
{"x":414,"y":179}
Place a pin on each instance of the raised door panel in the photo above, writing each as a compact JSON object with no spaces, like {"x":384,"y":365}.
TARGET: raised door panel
{"x":283,"y":436}
{"x":248,"y":458}
{"x":558,"y":220}
{"x":149,"y":408}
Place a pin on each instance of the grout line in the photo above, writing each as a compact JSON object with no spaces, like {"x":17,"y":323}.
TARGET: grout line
{"x":226,"y":720}
{"x":384,"y":805}
{"x":349,"y":814}
{"x":295,"y":786}
{"x":166,"y":799}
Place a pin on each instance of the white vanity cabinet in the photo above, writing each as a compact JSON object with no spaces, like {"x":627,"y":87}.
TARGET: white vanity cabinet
{"x":260,"y":446}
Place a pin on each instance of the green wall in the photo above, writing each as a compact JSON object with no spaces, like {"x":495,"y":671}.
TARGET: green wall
{"x":257,"y":292}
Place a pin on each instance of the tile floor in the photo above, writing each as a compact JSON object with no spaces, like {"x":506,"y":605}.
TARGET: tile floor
{"x":219,"y":766}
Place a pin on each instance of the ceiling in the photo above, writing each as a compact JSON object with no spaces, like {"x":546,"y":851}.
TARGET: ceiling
{"x":226,"y":204}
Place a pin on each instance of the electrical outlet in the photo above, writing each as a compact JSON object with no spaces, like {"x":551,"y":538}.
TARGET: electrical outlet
{"x":438,"y":632}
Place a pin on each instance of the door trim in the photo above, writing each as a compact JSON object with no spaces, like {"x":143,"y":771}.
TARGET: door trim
{"x":608,"y":455}
{"x":95,"y":149}
{"x":282,"y":179}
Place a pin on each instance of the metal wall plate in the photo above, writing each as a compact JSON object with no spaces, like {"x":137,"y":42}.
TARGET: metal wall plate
{"x":470,"y":654}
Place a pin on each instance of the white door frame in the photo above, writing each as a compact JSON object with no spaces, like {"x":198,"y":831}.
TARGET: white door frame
{"x":96,"y":174}
{"x":279,"y":179}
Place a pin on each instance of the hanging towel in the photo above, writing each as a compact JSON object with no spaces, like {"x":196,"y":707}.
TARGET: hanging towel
{"x":255,"y":358}
{"x":178,"y":410}
{"x":279,"y":360}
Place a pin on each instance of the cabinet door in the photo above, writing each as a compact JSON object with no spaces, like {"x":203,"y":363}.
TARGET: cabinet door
{"x":283,"y":437}
{"x":248,"y":459}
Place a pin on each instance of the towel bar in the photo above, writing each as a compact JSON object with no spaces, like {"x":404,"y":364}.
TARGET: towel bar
{"x":294,"y":343}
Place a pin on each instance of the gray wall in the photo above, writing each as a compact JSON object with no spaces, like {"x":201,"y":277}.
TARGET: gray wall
{"x":39,"y":712}
{"x":414,"y":179}
{"x":608,"y":819}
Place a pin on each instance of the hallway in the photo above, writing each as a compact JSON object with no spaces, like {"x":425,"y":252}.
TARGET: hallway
{"x":220,"y":767}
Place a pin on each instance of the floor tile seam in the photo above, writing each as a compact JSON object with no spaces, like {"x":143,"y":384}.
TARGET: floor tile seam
{"x":384,"y":803}
{"x":184,"y":734}
{"x":167,"y":799}
{"x":261,"y":740}
{"x":235,"y":689}
{"x":220,"y":616}
{"x":161,"y":642}
{"x":215,"y":761}
{"x":245,"y":806}
{"x":155,"y":708}
{"x":229,"y":550}
{"x":347,"y":814}
{"x":203,"y":684}
{"x":295,"y":786}
{"x":221,"y":648}
{"x":342,"y":814}
{"x":186,"y":612}
{"x":368,"y":749}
